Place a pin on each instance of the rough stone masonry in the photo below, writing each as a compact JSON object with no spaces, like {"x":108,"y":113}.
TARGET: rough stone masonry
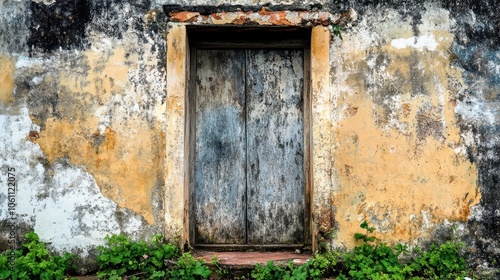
{"x":405,"y":123}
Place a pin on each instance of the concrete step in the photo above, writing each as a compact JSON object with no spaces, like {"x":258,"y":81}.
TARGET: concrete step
{"x":238,"y":265}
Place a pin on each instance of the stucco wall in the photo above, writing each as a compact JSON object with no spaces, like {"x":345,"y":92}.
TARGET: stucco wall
{"x":405,"y":125}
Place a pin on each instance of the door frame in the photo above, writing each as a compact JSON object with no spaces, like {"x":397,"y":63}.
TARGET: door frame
{"x":176,"y":177}
{"x":210,"y":37}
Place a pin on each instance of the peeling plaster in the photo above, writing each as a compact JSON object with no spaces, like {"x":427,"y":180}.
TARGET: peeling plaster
{"x":69,"y":222}
{"x":54,"y":208}
{"x":49,"y":197}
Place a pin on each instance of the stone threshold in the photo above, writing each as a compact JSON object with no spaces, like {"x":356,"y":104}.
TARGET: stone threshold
{"x":239,"y":263}
{"x":247,"y":260}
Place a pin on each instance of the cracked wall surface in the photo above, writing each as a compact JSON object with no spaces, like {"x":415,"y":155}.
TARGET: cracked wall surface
{"x":405,"y":117}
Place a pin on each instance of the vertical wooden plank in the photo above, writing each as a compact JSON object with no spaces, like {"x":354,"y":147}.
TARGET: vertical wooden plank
{"x":220,"y":160}
{"x":275,"y":149}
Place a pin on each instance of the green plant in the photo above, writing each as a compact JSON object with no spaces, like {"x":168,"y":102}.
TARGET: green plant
{"x":188,"y":268}
{"x":219,"y":269}
{"x":122,"y":257}
{"x":33,"y":261}
{"x":377,"y":260}
{"x":270,"y":271}
{"x":337,"y":31}
{"x":443,"y":261}
{"x":365,"y":237}
{"x":371,"y":261}
{"x":320,"y":266}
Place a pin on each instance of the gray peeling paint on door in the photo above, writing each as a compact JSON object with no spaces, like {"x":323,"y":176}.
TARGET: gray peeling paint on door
{"x":249,"y":178}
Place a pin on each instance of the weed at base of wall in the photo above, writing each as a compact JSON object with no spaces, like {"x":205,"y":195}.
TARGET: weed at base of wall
{"x":33,"y":261}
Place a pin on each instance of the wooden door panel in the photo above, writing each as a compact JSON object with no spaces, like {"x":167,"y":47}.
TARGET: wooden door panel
{"x":220,"y":156}
{"x":275,"y":150}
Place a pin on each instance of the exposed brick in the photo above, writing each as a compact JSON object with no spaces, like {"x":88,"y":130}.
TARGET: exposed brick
{"x":185,"y":16}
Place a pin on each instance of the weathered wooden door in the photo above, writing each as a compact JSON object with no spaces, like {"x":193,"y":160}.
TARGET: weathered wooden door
{"x":249,"y":146}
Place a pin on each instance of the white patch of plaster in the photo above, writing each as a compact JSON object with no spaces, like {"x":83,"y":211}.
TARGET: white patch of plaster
{"x":74,"y":214}
{"x":45,"y":2}
{"x":353,"y":15}
{"x":460,"y":150}
{"x":493,"y":67}
{"x":35,"y":127}
{"x":497,"y":212}
{"x":104,"y":118}
{"x":20,"y":154}
{"x":418,"y":42}
{"x":468,"y":138}
{"x":132,"y":225}
{"x":476,"y":110}
{"x":476,"y":213}
{"x":426,"y":221}
{"x":37,"y":80}
{"x":101,"y":44}
{"x":371,"y":61}
{"x":23,"y":61}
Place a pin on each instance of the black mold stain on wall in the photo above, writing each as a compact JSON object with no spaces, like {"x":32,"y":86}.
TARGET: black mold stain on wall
{"x":115,"y":17}
{"x":477,"y":49}
{"x":485,"y":25}
{"x":58,"y":25}
{"x":485,"y":231}
{"x":483,"y":90}
{"x":407,"y":8}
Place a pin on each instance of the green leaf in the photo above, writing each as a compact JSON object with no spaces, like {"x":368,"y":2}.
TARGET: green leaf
{"x":359,"y":236}
{"x":364,"y":225}
{"x":116,"y":259}
{"x":370,"y":238}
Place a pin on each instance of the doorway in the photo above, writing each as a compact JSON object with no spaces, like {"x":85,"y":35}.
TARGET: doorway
{"x":249,"y":150}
